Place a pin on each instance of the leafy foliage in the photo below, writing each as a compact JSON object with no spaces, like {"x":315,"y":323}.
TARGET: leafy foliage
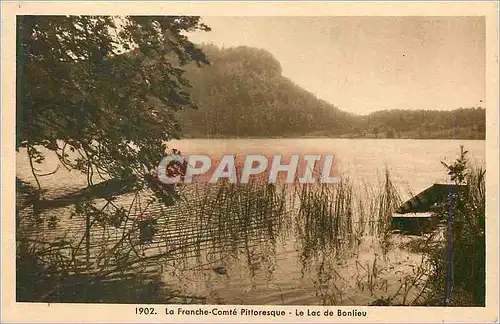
{"x":101,"y":91}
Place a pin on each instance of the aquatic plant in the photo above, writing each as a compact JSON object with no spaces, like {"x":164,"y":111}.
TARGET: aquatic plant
{"x":325,"y":218}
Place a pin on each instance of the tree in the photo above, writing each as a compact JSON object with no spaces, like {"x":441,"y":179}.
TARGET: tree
{"x":101,"y":93}
{"x":105,"y":87}
{"x":243,"y":93}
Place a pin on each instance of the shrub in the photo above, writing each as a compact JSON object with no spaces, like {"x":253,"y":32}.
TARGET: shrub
{"x":459,"y":263}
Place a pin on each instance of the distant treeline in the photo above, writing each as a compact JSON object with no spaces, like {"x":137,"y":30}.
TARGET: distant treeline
{"x":243,"y":94}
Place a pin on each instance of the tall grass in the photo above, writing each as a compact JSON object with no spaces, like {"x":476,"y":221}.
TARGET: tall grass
{"x":389,"y":201}
{"x":325,"y":217}
{"x":210,"y":224}
{"x":338,"y":215}
{"x":333,"y":221}
{"x":216,"y":222}
{"x":238,"y":219}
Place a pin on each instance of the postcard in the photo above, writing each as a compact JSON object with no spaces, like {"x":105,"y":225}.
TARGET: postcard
{"x":228,"y":162}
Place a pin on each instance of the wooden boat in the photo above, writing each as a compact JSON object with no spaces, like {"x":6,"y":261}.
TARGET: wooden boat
{"x":416,"y":215}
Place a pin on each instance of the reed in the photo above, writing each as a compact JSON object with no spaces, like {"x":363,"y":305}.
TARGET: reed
{"x":213,"y":223}
{"x":325,"y":217}
{"x":389,"y":201}
{"x":337,"y":216}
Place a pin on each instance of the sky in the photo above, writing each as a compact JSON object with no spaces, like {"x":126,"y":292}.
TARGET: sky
{"x":366,"y":64}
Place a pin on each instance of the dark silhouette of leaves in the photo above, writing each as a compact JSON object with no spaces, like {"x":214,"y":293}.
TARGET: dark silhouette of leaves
{"x":101,"y":91}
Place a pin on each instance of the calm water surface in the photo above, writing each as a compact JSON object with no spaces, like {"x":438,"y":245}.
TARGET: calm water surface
{"x":270,"y":264}
{"x":413,"y":163}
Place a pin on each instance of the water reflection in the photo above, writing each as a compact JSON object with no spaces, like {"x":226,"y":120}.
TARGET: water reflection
{"x":225,"y":243}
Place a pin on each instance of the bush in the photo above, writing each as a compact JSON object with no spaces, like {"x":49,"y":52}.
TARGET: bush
{"x":459,"y":263}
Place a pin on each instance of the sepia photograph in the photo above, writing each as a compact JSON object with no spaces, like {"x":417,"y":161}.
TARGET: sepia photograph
{"x":274,"y":160}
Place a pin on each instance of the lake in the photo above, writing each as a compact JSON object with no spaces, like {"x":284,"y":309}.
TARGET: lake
{"x":254,"y":258}
{"x":414,"y":163}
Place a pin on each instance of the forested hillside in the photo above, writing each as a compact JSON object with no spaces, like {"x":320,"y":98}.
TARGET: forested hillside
{"x":243,"y":94}
{"x":460,"y":123}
